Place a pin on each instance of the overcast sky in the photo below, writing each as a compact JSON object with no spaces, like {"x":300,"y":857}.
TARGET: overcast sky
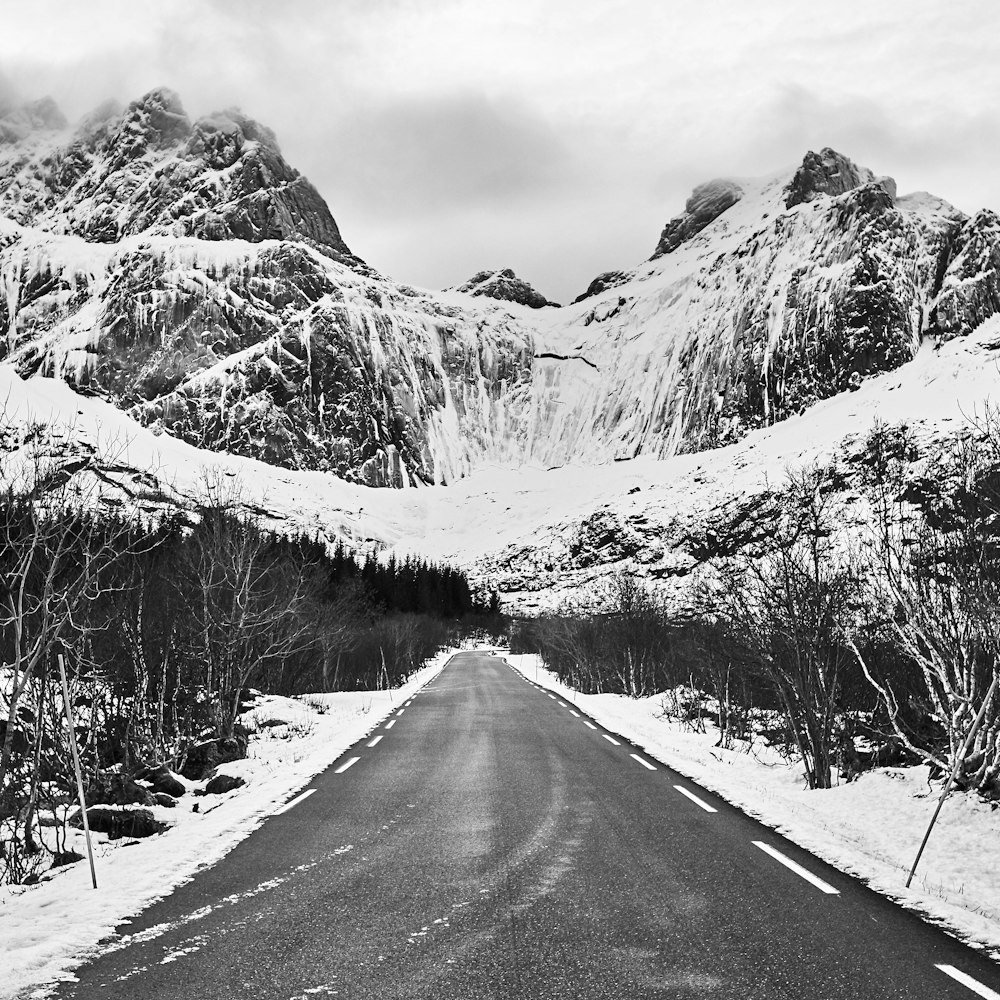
{"x":552,"y":136}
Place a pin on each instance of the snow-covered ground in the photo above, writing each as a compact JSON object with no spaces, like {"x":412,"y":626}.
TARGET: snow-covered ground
{"x":530,"y":510}
{"x":870,"y":827}
{"x":48,"y":928}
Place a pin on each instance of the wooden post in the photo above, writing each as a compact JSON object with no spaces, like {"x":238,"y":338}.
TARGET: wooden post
{"x":76,"y":764}
{"x":954,"y":770}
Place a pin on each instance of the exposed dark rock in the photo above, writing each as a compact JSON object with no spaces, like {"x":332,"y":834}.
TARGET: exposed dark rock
{"x":117,"y":823}
{"x":203,"y":758}
{"x":707,"y":202}
{"x":61,"y":858}
{"x":118,"y":790}
{"x":505,"y":286}
{"x":970,"y":290}
{"x":163,"y":799}
{"x":604,"y":281}
{"x":825,"y":172}
{"x":162,"y":779}
{"x":223,"y":783}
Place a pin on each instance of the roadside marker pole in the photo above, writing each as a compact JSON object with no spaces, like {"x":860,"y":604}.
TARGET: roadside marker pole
{"x":76,"y":765}
{"x":959,"y":761}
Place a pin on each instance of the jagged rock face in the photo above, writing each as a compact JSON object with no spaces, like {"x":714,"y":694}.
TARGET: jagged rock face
{"x":268,"y":351}
{"x":706,"y":204}
{"x":825,"y":172}
{"x":504,"y":286}
{"x":151,"y":170}
{"x":970,"y":290}
{"x":759,"y":315}
{"x":185,"y":272}
{"x":604,"y":281}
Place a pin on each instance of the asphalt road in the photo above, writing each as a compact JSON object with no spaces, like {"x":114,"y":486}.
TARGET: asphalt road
{"x":493,"y":844}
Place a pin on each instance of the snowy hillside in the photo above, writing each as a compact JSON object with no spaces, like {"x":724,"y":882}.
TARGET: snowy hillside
{"x":187,"y":274}
{"x":535,"y":533}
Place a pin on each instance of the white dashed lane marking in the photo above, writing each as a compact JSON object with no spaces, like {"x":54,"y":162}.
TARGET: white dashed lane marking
{"x":642,"y":760}
{"x":589,"y":724}
{"x":694,"y":798}
{"x":797,"y":868}
{"x":576,"y":715}
{"x":390,"y":724}
{"x":350,"y":763}
{"x":611,"y":739}
{"x":294,"y":802}
{"x":374,"y":742}
{"x":966,"y":980}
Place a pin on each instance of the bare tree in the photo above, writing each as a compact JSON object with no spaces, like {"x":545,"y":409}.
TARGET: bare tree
{"x":935,"y":554}
{"x":247,"y":603}
{"x":790,"y":607}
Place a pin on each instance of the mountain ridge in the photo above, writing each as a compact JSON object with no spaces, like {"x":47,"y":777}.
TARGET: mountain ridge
{"x":185,"y":272}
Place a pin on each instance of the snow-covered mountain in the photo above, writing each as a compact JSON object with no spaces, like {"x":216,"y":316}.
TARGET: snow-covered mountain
{"x":186,"y":275}
{"x":184,"y":271}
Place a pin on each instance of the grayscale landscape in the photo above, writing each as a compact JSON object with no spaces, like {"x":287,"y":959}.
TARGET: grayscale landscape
{"x":426,"y":572}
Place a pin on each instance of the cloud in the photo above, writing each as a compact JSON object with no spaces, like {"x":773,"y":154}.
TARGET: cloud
{"x":443,"y":154}
{"x":571,"y":129}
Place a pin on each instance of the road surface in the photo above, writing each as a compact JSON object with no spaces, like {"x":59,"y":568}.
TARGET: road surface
{"x":489,"y":841}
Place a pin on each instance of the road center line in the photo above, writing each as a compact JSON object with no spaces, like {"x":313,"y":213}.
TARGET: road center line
{"x":401,"y":711}
{"x":294,"y":802}
{"x":611,"y":739}
{"x":552,"y":696}
{"x":561,"y":704}
{"x":797,"y":868}
{"x":694,"y":798}
{"x":967,"y":980}
{"x":345,"y":766}
{"x":576,"y":715}
{"x":645,"y":763}
{"x":374,"y":742}
{"x":390,"y":724}
{"x":590,"y":724}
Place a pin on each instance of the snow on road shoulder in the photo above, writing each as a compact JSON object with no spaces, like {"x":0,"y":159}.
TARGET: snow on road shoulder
{"x":870,"y":827}
{"x":47,"y":929}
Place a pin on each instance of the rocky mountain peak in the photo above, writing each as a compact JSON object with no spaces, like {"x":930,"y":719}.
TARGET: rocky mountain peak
{"x":828,"y":172}
{"x":707,"y":202}
{"x":506,"y":286}
{"x":155,"y":121}
{"x":149,"y":168}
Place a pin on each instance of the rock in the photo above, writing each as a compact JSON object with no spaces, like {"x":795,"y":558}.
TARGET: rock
{"x":203,"y":758}
{"x":970,"y":288}
{"x":707,"y":202}
{"x":604,"y":281}
{"x":118,"y":790}
{"x":128,"y":821}
{"x":825,"y":172}
{"x":505,"y":286}
{"x":163,"y":799}
{"x":61,"y":858}
{"x":162,"y":779}
{"x":223,"y":783}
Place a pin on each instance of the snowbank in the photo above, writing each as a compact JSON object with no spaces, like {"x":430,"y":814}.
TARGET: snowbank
{"x":48,"y":928}
{"x":870,"y":828}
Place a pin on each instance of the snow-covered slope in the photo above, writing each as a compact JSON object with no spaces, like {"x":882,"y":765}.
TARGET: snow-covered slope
{"x":183,"y":271}
{"x":537,"y":534}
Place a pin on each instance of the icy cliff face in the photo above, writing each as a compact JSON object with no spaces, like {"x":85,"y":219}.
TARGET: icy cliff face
{"x":183,"y":271}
